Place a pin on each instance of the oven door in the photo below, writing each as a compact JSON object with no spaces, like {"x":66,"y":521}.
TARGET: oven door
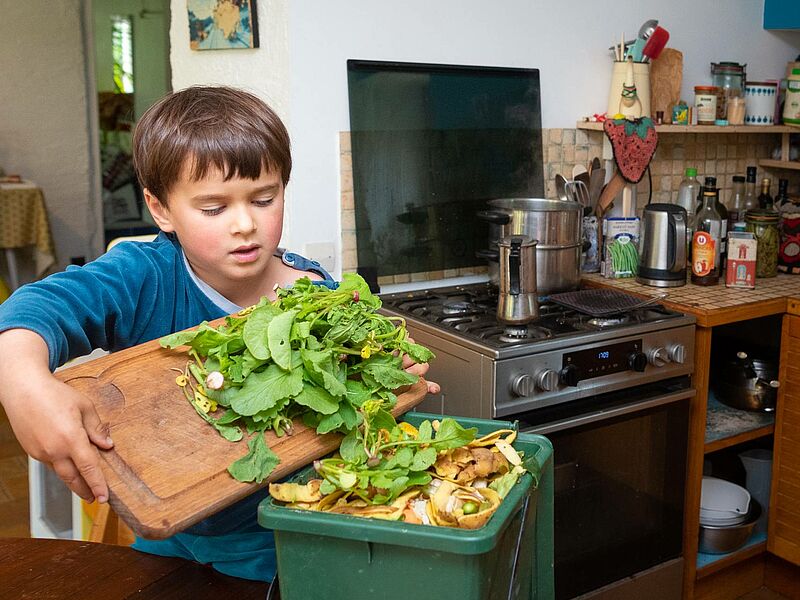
{"x":620,"y":472}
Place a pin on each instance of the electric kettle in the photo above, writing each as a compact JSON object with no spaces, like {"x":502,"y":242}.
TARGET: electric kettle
{"x":662,"y":246}
{"x":518,"y":302}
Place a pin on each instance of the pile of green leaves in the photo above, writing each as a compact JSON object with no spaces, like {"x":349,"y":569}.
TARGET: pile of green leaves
{"x":380,"y":460}
{"x":313,"y":353}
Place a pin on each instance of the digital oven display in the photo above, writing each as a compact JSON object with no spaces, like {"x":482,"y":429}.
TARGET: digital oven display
{"x":604,"y":360}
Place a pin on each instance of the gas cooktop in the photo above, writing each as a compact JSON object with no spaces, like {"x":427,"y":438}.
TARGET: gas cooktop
{"x":470,"y":312}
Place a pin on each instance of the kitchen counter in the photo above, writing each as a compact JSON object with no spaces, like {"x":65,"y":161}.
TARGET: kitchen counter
{"x":716,"y":305}
{"x":713,"y":426}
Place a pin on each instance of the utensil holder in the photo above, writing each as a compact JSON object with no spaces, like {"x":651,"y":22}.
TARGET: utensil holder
{"x":641,"y":79}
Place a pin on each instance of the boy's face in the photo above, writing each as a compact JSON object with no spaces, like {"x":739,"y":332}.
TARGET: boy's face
{"x":228,"y":229}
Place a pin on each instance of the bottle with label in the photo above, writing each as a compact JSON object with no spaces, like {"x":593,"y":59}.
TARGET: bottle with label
{"x":750,"y":198}
{"x":688,"y":192}
{"x":706,"y":240}
{"x":711,"y":184}
{"x":764,"y":198}
{"x":736,"y":205}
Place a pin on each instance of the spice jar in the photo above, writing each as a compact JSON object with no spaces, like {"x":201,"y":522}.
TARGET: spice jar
{"x":764,"y":226}
{"x":705,"y":101}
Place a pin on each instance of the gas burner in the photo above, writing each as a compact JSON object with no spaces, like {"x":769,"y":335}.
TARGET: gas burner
{"x":603,"y":322}
{"x":458,"y":308}
{"x":515,"y":334}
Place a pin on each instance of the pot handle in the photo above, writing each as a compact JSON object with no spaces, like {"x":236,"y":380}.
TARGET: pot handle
{"x":494,"y":216}
{"x":514,"y":262}
{"x":492,"y":255}
{"x":774,"y":383}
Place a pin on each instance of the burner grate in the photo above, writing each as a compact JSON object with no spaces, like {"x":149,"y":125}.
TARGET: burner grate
{"x":601,"y":302}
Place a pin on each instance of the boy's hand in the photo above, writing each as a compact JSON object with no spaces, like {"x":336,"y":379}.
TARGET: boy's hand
{"x":420,"y":369}
{"x":54,"y":423}
{"x":58,"y":427}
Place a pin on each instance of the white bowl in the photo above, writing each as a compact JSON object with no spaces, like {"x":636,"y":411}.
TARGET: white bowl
{"x":711,"y":522}
{"x":724,"y":496}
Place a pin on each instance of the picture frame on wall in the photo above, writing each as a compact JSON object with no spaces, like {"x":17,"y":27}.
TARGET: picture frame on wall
{"x":222,"y":24}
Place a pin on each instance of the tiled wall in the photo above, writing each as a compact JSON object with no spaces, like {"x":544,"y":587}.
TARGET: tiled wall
{"x":722,"y":155}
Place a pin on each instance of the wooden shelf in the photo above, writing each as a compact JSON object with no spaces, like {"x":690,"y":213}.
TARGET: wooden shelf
{"x":780,"y":164}
{"x":710,"y":563}
{"x":726,"y":426}
{"x":589,"y":126}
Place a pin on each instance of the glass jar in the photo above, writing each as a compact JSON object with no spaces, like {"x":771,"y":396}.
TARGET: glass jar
{"x":729,"y":77}
{"x":764,"y":226}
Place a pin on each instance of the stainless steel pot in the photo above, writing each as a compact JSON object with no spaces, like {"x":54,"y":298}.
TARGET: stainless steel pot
{"x":747,"y":383}
{"x":556,"y":226}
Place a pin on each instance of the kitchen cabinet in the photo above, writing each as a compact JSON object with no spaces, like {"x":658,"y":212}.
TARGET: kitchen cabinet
{"x":781,"y":14}
{"x":784,"y":524}
{"x":714,"y":307}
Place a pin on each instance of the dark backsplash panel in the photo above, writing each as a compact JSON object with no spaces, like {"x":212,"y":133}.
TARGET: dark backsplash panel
{"x":431,"y":144}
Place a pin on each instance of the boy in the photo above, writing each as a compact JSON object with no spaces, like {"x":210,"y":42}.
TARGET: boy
{"x":213,"y":163}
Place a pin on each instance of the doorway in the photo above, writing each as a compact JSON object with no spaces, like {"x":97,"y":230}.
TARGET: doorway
{"x":132,"y":71}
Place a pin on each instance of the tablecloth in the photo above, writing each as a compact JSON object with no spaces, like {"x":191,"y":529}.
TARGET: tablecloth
{"x":23,"y":222}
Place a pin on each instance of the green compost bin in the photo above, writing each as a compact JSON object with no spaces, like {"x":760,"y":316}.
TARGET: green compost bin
{"x":332,"y":556}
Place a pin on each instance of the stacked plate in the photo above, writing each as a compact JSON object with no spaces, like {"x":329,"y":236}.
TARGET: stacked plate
{"x":722,"y":503}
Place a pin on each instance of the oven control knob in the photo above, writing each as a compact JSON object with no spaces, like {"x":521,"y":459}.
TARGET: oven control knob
{"x":657,"y":357}
{"x":523,"y":386}
{"x":570,"y":375}
{"x":637,"y":361}
{"x":677,"y":353}
{"x":547,"y":380}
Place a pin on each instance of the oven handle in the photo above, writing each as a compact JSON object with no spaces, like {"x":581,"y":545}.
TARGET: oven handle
{"x":604,"y":415}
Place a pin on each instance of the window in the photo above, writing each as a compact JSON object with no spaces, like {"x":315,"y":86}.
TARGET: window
{"x":122,"y":51}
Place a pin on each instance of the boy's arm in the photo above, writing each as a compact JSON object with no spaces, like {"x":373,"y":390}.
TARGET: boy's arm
{"x":54,"y":423}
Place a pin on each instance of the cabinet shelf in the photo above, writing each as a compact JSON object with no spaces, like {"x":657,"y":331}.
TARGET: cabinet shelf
{"x":726,"y":426}
{"x":793,"y":165}
{"x":596,"y":126}
{"x":710,"y":563}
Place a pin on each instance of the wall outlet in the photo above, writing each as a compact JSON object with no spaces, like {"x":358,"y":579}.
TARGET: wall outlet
{"x":324,"y":253}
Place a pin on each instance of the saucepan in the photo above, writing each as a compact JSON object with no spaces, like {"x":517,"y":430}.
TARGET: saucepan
{"x":556,"y":224}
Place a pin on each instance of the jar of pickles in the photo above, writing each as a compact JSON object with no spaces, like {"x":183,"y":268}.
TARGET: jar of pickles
{"x":764,"y":226}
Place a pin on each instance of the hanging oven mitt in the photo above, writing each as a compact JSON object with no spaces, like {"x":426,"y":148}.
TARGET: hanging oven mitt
{"x":633,"y":142}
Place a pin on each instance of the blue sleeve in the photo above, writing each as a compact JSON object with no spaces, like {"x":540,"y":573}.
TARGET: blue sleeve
{"x":312,"y":266}
{"x":110,"y":303}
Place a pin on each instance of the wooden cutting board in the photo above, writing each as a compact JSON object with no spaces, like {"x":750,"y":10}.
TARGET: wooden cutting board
{"x":666,"y":76}
{"x":168,"y":467}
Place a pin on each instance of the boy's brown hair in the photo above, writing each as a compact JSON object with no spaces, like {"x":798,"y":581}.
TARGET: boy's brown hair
{"x":221,"y":127}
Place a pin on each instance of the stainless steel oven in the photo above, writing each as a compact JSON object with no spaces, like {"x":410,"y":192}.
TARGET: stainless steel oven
{"x":613,"y":396}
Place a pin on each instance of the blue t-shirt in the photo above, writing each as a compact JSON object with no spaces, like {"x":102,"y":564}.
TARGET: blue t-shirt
{"x":135,"y":293}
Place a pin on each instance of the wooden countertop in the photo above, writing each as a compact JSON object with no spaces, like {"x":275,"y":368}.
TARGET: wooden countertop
{"x":716,"y":305}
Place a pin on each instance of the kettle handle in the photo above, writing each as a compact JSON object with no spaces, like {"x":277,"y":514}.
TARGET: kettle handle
{"x":677,"y":240}
{"x":514,"y":259}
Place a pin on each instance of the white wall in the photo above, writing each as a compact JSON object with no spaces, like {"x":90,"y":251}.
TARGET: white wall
{"x":305,"y":45}
{"x":45,"y":133}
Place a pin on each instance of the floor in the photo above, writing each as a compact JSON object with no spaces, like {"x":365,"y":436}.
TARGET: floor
{"x":13,"y":484}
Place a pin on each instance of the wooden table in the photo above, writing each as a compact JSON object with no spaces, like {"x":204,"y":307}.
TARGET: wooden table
{"x":24,"y":223}
{"x":65,"y":569}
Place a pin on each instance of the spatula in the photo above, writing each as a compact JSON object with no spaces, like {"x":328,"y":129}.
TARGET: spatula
{"x":654,"y":46}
